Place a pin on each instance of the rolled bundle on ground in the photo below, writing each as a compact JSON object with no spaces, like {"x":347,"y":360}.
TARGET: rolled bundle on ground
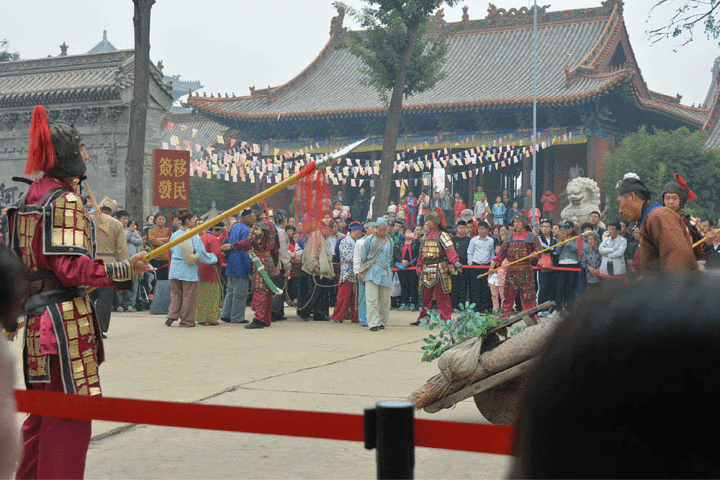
{"x":522,"y":346}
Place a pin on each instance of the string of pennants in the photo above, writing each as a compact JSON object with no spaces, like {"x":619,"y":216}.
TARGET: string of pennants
{"x":244,"y":162}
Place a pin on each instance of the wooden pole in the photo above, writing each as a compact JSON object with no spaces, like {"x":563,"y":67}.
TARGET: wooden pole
{"x":224,"y":216}
{"x":306,"y":171}
{"x":527,"y":257}
{"x":697,"y":244}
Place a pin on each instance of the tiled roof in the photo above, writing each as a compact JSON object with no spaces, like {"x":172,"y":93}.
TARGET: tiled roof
{"x":193,"y":128}
{"x":64,"y":78}
{"x":712,"y":125}
{"x":489,"y":65}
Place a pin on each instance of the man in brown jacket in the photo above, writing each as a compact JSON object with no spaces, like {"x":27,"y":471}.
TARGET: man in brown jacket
{"x":111,"y":247}
{"x":665,"y":244}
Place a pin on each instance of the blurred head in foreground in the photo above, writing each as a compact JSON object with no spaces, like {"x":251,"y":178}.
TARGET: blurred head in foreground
{"x":627,"y":386}
{"x":12,"y":294}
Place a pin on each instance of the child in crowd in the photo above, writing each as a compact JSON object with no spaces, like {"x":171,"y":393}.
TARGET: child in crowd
{"x":497,"y":283}
{"x":499,"y":210}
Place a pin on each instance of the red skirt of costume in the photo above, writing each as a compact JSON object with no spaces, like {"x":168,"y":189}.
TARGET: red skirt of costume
{"x":520,"y":277}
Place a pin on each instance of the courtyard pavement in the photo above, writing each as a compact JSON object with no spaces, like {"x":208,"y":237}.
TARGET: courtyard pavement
{"x":296,"y":365}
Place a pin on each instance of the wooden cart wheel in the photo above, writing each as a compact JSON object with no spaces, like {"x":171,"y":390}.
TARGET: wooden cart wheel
{"x":499,"y":405}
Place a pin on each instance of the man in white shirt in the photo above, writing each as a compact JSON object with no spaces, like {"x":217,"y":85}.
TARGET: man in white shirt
{"x":481,"y":252}
{"x":612,"y":250}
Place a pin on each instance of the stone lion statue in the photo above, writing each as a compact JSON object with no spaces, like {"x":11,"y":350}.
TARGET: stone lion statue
{"x":584,"y":197}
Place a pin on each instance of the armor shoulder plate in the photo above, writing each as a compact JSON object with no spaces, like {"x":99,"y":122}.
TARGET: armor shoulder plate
{"x":446,"y":240}
{"x":67,"y":231}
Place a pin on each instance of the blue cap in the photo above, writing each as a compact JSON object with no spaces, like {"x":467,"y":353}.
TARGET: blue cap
{"x":381,"y":222}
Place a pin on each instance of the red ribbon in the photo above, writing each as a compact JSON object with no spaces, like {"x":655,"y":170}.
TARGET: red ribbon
{"x":335,"y":426}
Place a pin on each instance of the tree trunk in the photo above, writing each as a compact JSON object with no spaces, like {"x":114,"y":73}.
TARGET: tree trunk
{"x":392,"y":126}
{"x":135,"y":163}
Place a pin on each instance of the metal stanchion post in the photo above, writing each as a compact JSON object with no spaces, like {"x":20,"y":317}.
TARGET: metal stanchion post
{"x":389,"y":428}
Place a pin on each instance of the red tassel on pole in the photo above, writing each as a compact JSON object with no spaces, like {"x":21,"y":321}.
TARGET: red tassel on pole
{"x":41,"y":154}
{"x":691,"y":194}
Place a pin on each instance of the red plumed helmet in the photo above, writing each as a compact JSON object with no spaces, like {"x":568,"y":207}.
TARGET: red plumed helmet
{"x":690,"y":194}
{"x":437,"y":216}
{"x":41,"y":153}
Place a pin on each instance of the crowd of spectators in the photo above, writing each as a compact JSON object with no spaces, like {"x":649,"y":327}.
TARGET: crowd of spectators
{"x":478,"y":228}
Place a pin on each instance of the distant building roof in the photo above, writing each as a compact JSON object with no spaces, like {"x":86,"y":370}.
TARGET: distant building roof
{"x":103,"y":46}
{"x":182,"y":87}
{"x":583,"y":54}
{"x":70,"y":78}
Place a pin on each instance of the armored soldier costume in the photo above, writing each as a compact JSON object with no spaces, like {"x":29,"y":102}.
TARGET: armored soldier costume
{"x":437,"y":260}
{"x":679,"y":187}
{"x":53,"y":237}
{"x":520,"y":277}
{"x":265,"y":245}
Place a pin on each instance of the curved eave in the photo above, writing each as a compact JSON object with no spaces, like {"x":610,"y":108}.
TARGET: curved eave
{"x":693,"y":116}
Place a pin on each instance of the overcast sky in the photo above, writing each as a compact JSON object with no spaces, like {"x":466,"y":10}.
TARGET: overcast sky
{"x":231,"y":45}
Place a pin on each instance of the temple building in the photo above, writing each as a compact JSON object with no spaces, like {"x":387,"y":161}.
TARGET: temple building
{"x":92,"y":91}
{"x":590,"y":94}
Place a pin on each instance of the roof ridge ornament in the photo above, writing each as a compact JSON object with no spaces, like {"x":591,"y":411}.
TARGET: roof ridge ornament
{"x":336,"y":24}
{"x":501,"y":16}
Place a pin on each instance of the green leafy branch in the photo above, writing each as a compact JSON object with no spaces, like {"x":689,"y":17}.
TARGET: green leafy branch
{"x":469,"y":324}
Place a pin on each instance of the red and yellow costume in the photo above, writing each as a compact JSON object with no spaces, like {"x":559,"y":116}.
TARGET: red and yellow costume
{"x":265,"y":244}
{"x":63,"y":349}
{"x":520,"y":277}
{"x":436,"y":262}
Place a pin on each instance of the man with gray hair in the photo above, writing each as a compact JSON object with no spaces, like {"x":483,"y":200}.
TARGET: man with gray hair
{"x":357,"y":263}
{"x":376,"y":271}
{"x":239,"y":267}
{"x":111,"y":247}
{"x":278,"y":305}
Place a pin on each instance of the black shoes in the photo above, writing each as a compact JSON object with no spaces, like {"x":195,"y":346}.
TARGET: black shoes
{"x":255,"y":324}
{"x":170,"y":321}
{"x":226,"y":320}
{"x":415,"y":323}
{"x":244,"y":321}
{"x":381,"y":327}
{"x":321,"y":317}
{"x":373,"y":329}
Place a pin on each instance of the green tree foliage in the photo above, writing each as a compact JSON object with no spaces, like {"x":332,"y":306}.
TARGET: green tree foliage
{"x":688,"y":15}
{"x":656,"y":157}
{"x":399,"y":62}
{"x":5,"y":55}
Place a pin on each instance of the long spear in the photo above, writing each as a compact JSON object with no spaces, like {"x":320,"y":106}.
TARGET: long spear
{"x":306,"y":171}
{"x":491,"y":270}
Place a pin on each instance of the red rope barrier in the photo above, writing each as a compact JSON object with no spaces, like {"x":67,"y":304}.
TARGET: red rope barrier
{"x":334,"y":426}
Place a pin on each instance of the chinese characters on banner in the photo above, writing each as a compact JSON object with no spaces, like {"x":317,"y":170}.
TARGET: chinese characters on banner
{"x":171,"y":178}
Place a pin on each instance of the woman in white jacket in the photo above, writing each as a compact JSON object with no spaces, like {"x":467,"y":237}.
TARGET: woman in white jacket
{"x":612,"y":250}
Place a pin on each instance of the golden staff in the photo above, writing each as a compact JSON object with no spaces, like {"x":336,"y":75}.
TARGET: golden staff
{"x":697,"y":244}
{"x":307,"y":170}
{"x":491,"y":270}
